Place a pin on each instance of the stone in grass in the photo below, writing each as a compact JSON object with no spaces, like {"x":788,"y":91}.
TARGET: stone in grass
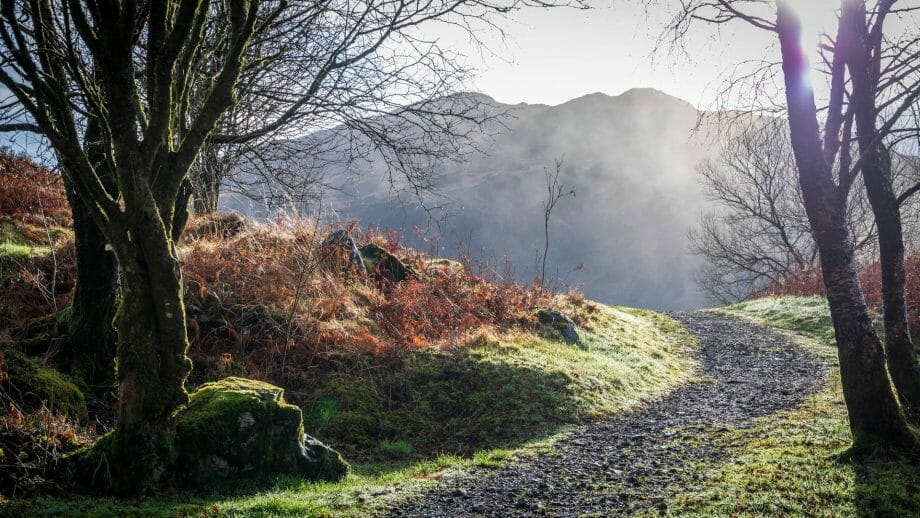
{"x":564,"y":325}
{"x":238,"y":429}
{"x":344,"y":240}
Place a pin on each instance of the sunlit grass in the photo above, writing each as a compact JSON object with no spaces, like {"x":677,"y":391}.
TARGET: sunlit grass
{"x":627,"y":356}
{"x":807,"y":316}
{"x":367,"y":488}
{"x":796,"y":462}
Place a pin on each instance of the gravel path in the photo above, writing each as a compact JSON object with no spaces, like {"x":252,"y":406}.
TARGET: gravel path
{"x":636,"y":460}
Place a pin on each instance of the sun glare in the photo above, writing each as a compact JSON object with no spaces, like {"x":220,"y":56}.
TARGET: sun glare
{"x":818,"y":17}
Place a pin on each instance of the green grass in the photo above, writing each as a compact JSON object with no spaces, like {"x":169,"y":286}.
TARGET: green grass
{"x":481,"y":406}
{"x":499,"y":393}
{"x":16,"y":247}
{"x":369,"y":487}
{"x":796,"y":462}
{"x":807,"y":316}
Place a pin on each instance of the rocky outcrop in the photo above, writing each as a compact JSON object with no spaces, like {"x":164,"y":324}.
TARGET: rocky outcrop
{"x":371,"y":258}
{"x":385,"y":265}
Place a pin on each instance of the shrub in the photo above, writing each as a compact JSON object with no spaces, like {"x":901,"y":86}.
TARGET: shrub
{"x":395,"y":449}
{"x":31,"y":192}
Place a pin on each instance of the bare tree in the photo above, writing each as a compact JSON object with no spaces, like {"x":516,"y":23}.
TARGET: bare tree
{"x":555,"y":191}
{"x":827,"y":172}
{"x":131,"y":67}
{"x":355,"y":83}
{"x":759,"y":234}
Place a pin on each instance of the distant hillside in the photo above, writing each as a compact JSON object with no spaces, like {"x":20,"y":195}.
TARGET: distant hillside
{"x":631,"y":159}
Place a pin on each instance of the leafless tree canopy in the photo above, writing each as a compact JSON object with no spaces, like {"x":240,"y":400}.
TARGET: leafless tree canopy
{"x":359,"y":68}
{"x":742,"y":255}
{"x":760,"y":234}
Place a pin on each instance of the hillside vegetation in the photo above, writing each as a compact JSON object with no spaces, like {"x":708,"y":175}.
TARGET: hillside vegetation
{"x":630,"y":158}
{"x":444,"y":369}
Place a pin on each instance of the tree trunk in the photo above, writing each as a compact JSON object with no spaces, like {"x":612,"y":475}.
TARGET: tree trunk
{"x":152,"y":360}
{"x":89,"y":323}
{"x":874,"y":411}
{"x":877,"y":177}
{"x":875,"y":415}
{"x":206,"y":177}
{"x":902,"y":356}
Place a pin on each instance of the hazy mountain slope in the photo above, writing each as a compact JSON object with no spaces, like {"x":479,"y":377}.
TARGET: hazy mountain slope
{"x":631,"y":159}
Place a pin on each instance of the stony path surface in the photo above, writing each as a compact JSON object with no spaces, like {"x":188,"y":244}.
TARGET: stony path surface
{"x":634,"y":461}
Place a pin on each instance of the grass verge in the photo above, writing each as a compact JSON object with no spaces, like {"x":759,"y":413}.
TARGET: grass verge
{"x":795,"y":463}
{"x":496,"y":399}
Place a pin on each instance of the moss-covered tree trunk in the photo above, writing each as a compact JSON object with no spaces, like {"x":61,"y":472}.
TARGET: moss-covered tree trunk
{"x":875,"y":413}
{"x":152,"y":364}
{"x":89,"y":320}
{"x":88,"y":325}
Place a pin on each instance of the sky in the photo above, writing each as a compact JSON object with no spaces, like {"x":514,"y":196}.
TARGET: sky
{"x":550,"y":56}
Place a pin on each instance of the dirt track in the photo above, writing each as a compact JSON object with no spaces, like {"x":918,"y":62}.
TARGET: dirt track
{"x":635,"y":461}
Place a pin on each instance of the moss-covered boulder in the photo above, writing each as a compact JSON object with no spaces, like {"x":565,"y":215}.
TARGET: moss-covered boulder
{"x":560,"y":323}
{"x":385,"y":265}
{"x":238,"y":429}
{"x":32,"y":386}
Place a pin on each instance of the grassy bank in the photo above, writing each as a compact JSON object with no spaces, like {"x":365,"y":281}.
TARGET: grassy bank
{"x":495,"y":399}
{"x":410,"y":378}
{"x":796,"y":462}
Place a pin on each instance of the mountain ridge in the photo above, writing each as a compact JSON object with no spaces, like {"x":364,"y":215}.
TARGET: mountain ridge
{"x":631,"y":159}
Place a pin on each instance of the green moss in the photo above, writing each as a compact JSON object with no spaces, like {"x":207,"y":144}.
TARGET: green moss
{"x":32,"y":386}
{"x":238,"y":429}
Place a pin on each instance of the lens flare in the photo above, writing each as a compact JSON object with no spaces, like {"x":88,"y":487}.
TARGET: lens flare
{"x":819,"y":17}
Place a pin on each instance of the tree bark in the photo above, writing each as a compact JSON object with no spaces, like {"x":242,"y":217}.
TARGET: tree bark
{"x":152,"y":357}
{"x":902,"y":355}
{"x":875,"y":414}
{"x":877,"y":177}
{"x":89,"y":323}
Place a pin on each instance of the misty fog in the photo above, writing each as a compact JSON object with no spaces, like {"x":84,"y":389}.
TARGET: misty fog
{"x":631,"y":159}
